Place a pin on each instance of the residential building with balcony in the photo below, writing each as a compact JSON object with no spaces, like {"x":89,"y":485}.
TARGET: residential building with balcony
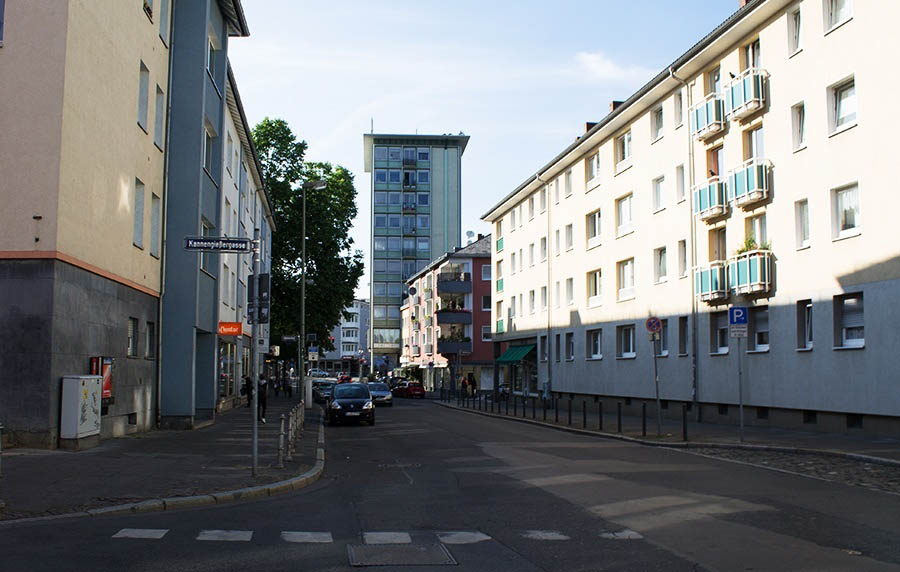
{"x":416,"y":203}
{"x":350,"y":340}
{"x":446,"y":319}
{"x":751,"y":172}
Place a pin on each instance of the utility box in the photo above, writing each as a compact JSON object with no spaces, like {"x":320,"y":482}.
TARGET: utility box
{"x":79,"y":424}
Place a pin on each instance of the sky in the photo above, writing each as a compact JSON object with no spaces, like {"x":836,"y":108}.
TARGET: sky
{"x":520,"y":78}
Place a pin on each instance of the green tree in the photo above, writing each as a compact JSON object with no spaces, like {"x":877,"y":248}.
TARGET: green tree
{"x":333,"y":268}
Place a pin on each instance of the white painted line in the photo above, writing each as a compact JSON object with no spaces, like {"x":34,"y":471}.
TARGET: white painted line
{"x":462,"y":537}
{"x":150,"y":533}
{"x":386,"y":538}
{"x":226,"y":535}
{"x":566,"y":480}
{"x":625,"y":534}
{"x":307,"y":537}
{"x":544,"y":535}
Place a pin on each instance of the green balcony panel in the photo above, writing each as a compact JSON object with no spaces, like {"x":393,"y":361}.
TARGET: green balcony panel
{"x":499,"y":244}
{"x":498,"y":329}
{"x":499,"y":284}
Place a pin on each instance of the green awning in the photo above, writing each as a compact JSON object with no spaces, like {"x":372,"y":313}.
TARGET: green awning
{"x":515,"y":354}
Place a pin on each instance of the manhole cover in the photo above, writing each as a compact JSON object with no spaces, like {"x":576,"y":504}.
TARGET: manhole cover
{"x":399,"y":555}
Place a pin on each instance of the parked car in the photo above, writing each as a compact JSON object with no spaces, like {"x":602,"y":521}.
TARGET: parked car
{"x":415,"y":389}
{"x":398,"y":389}
{"x":315,"y":372}
{"x":351,"y":402}
{"x":322,"y":391}
{"x":381,"y":395}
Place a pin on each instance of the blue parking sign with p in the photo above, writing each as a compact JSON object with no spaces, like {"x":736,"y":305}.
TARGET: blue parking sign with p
{"x":737,"y":315}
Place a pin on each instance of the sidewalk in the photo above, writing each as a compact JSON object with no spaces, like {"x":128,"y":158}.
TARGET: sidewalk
{"x":155,"y":465}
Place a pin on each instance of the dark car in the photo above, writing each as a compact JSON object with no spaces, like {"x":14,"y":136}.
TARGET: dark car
{"x":381,"y":395}
{"x":398,"y":389}
{"x":322,"y":391}
{"x":351,"y":402}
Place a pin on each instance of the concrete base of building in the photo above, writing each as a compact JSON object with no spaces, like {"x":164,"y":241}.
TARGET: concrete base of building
{"x":79,"y":444}
{"x":177,"y":422}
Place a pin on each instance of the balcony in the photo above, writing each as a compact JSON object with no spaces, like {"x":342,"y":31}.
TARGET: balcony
{"x":429,"y":349}
{"x":448,"y":316}
{"x":454,"y":347}
{"x":409,"y":230}
{"x":749,"y":183}
{"x":454,"y":282}
{"x":498,"y":327}
{"x":707,"y":117}
{"x":410,"y":161}
{"x":750,"y":272}
{"x":709,"y":199}
{"x":499,"y":284}
{"x":428,"y":320}
{"x":414,"y":350}
{"x":710,"y":283}
{"x":409,"y":207}
{"x":409,"y":253}
{"x":500,"y":244}
{"x":746,"y":94}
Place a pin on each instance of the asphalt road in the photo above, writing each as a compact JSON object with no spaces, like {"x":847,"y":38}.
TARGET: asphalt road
{"x":431,"y":485}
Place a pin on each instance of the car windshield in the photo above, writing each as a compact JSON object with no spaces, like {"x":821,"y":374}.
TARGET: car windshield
{"x":351,"y":392}
{"x":378,"y":387}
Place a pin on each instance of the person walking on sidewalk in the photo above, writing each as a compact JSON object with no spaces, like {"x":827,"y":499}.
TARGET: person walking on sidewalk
{"x":263,"y":386}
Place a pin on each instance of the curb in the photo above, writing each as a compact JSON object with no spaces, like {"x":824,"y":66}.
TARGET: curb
{"x":175,"y":503}
{"x":689,"y":444}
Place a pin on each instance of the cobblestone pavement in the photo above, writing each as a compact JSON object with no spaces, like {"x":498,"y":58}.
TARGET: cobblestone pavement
{"x":837,"y":469}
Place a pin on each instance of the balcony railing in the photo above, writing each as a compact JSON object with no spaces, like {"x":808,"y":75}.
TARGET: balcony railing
{"x":710,"y":200}
{"x":409,"y":230}
{"x":429,"y":349}
{"x":416,"y":350}
{"x":750,"y":272}
{"x":708,"y":117}
{"x":745,"y":94}
{"x":447,"y":316}
{"x":453,"y":347}
{"x":498,"y":327}
{"x":710,"y":283}
{"x":499,"y":244}
{"x":454,"y":282}
{"x":499,"y":284}
{"x":749,"y":183}
{"x":449,"y":276}
{"x":409,"y":208}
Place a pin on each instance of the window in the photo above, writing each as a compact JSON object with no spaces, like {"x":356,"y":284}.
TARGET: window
{"x":143,"y":94}
{"x":206,"y":229}
{"x":594,"y":346}
{"x":395,"y":176}
{"x":211,"y":58}
{"x":837,"y":12}
{"x":229,"y":146}
{"x":350,"y":332}
{"x":512,"y":263}
{"x":163,"y":21}
{"x":659,"y":265}
{"x":626,"y":279}
{"x":521,"y":306}
{"x":714,"y":81}
{"x":531,"y":208}
{"x":424,"y":199}
{"x":679,"y":183}
{"x":226,"y":286}
{"x":486,"y":302}
{"x":623,"y":215}
{"x":661,"y":346}
{"x":380,"y":221}
{"x":845,"y":212}
{"x":592,"y":227}
{"x":543,"y":348}
{"x":568,"y":180}
{"x":394,"y":199}
{"x":138,"y":230}
{"x":556,"y":296}
{"x":423,"y":154}
{"x":751,"y":55}
{"x":556,"y":191}
{"x":381,"y":153}
{"x":659,"y":190}
{"x":485,"y":333}
{"x":155,"y":214}
{"x":423,"y":244}
{"x":512,"y":219}
{"x":625,"y":341}
{"x":570,"y":346}
{"x":150,"y":340}
{"x":380,"y":198}
{"x":556,"y":351}
{"x":208,"y":145}
{"x":798,"y":121}
{"x":592,"y":167}
{"x":380,"y":177}
{"x":593,"y":288}
{"x":531,"y":301}
{"x":753,"y":144}
{"x":678,"y":103}
{"x":543,"y":248}
{"x":570,"y":291}
{"x":158,"y":118}
{"x":394,"y":154}
{"x":756,"y":230}
{"x":543,"y":298}
{"x":380,"y":243}
{"x":759,"y":329}
{"x":682,"y":258}
{"x":623,"y":151}
{"x":656,"y":124}
{"x":801,"y":210}
{"x":804,"y":325}
{"x":718,"y":332}
{"x":531,"y":254}
{"x":843,"y":105}
{"x":558,"y":245}
{"x":849,"y":323}
{"x":394,"y":221}
{"x":794,"y":44}
{"x":682,"y":335}
{"x":132,"y":337}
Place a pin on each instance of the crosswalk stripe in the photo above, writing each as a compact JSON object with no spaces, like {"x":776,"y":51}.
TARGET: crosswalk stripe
{"x":307,"y":537}
{"x":226,"y":535}
{"x":624,"y":534}
{"x":387,"y":538}
{"x":462,"y":537}
{"x":544,"y":535}
{"x":147,"y":533}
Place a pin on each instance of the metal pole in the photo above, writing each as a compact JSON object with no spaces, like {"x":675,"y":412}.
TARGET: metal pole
{"x":619,"y":415}
{"x":644,"y":420}
{"x":740,"y":392}
{"x":656,"y":381}
{"x":307,"y":386}
{"x":291,"y":428}
{"x":570,"y":409}
{"x":600,"y":416}
{"x":254,"y":358}
{"x":583,"y":415}
{"x":281,"y":444}
{"x":684,"y":436}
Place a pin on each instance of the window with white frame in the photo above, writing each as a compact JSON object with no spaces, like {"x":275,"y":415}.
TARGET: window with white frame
{"x":625,"y":341}
{"x":208,"y":146}
{"x":543,"y":248}
{"x":794,"y":37}
{"x":543,"y":298}
{"x":521,"y":215}
{"x":845,"y":212}
{"x":521,"y":306}
{"x":143,"y":96}
{"x":592,"y":168}
{"x":679,"y":183}
{"x":138,"y":229}
{"x":623,"y":151}
{"x":594,"y":345}
{"x":624,"y":222}
{"x":158,"y":118}
{"x":132,"y":343}
{"x":798,"y":126}
{"x":543,"y":199}
{"x":531,"y":207}
{"x":759,"y":328}
{"x":849,"y":321}
{"x":568,"y":179}
{"x":804,"y":325}
{"x":570,"y":291}
{"x":751,"y":55}
{"x":512,"y":220}
{"x":570,"y":346}
{"x":155,"y":214}
{"x":531,"y":254}
{"x":556,"y":295}
{"x":678,"y":103}
{"x":592,"y":229}
{"x":661,"y":346}
{"x":660,"y":272}
{"x":556,"y":191}
{"x":570,"y":237}
{"x":659,"y":193}
{"x":512,"y":263}
{"x":229,"y":147}
{"x":842,"y":108}
{"x":626,"y":279}
{"x":718,"y":332}
{"x":531,"y":300}
{"x":594,"y":288}
{"x":682,"y":258}
{"x":486,"y":302}
{"x":485,"y":333}
{"x":543,"y":348}
{"x":837,"y":12}
{"x":756,"y":230}
{"x":801,"y":212}
{"x":558,"y":245}
{"x":556,"y":351}
{"x":499,"y":225}
{"x":656,"y":123}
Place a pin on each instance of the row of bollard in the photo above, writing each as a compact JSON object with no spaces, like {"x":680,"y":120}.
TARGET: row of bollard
{"x":481,"y":403}
{"x":290,"y":428}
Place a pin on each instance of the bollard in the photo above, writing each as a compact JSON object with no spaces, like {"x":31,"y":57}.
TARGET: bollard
{"x":507,"y":403}
{"x":533,"y":411}
{"x":684,"y":436}
{"x":619,"y":415}
{"x":583,"y":415}
{"x":544,"y":408}
{"x":281,"y":444}
{"x":515,"y":406}
{"x":570,"y":410}
{"x":643,"y":419}
{"x":290,"y":447}
{"x":599,"y":416}
{"x":1,"y":451}
{"x":556,"y":409}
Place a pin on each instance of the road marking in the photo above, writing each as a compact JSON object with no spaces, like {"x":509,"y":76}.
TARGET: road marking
{"x":226,"y":535}
{"x":307,"y":537}
{"x":544,"y":535}
{"x":462,"y":537}
{"x":625,"y":534}
{"x":566,"y":480}
{"x":386,"y":538}
{"x":149,"y":533}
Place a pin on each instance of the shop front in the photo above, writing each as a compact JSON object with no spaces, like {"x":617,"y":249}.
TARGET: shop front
{"x":519,"y":367}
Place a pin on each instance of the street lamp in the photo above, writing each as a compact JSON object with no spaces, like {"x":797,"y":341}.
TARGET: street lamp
{"x":301,"y":343}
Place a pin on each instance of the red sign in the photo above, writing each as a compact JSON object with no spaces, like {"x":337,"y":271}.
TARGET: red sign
{"x":103,"y":366}
{"x":653,"y":325}
{"x":230,"y":328}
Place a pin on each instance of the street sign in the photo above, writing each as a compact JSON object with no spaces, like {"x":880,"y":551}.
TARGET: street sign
{"x":737,"y":321}
{"x":310,"y":337}
{"x":313,"y":356}
{"x":289,"y":338}
{"x":653,"y":324}
{"x":217,"y":244}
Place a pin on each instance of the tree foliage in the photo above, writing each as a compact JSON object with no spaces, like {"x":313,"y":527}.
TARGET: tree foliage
{"x":333,"y":267}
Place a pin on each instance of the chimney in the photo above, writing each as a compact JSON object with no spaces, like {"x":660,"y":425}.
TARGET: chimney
{"x":742,"y":3}
{"x":614,"y":104}
{"x":480,"y":236}
{"x":589,"y":125}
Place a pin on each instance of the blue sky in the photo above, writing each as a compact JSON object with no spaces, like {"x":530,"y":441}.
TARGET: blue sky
{"x":520,"y":78}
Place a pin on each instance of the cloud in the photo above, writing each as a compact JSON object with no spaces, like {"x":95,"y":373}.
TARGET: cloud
{"x":597,"y":67}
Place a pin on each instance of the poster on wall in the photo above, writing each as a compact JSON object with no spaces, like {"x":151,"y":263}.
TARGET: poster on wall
{"x":103,"y":366}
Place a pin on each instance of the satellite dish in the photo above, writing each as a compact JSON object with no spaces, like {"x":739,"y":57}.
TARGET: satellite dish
{"x":469,"y":234}
{"x":412,"y":290}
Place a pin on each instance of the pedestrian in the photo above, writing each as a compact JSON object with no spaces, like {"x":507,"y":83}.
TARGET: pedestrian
{"x":261,"y":400}
{"x":248,"y":389}
{"x":472,"y":386}
{"x":465,"y":387}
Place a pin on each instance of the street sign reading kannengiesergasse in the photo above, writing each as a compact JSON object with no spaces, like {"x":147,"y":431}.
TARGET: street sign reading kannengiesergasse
{"x":217,"y":244}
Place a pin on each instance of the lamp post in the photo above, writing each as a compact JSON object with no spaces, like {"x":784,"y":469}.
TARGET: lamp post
{"x":307,"y":387}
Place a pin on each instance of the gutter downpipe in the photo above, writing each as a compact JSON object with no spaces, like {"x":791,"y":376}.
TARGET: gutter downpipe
{"x":695,"y":399}
{"x":548,"y":386}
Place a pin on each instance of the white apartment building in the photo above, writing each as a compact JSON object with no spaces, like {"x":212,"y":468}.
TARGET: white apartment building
{"x":754,"y":171}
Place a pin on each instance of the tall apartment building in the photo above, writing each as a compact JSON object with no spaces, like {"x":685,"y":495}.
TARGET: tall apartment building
{"x":754,"y":171}
{"x":447,"y":320}
{"x":350,"y":339}
{"x":416,"y":202}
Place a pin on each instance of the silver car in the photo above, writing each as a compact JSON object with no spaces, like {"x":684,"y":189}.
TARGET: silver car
{"x":381,"y":394}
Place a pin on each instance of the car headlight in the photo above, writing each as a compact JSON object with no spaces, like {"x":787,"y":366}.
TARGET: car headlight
{"x":388,"y":397}
{"x":335,"y":405}
{"x":368,"y":405}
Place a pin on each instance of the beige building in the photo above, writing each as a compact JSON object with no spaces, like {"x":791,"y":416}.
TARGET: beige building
{"x":753,"y":172}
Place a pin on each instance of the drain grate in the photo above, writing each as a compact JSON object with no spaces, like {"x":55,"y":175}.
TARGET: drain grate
{"x":399,"y":555}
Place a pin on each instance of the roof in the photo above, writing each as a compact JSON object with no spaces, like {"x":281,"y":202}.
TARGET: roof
{"x":481,"y":248}
{"x":594,"y":134}
{"x":234,"y":14}
{"x":445,"y":140}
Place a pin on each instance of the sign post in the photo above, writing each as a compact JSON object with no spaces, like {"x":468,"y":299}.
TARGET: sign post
{"x":737,"y":326}
{"x":654,"y":325}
